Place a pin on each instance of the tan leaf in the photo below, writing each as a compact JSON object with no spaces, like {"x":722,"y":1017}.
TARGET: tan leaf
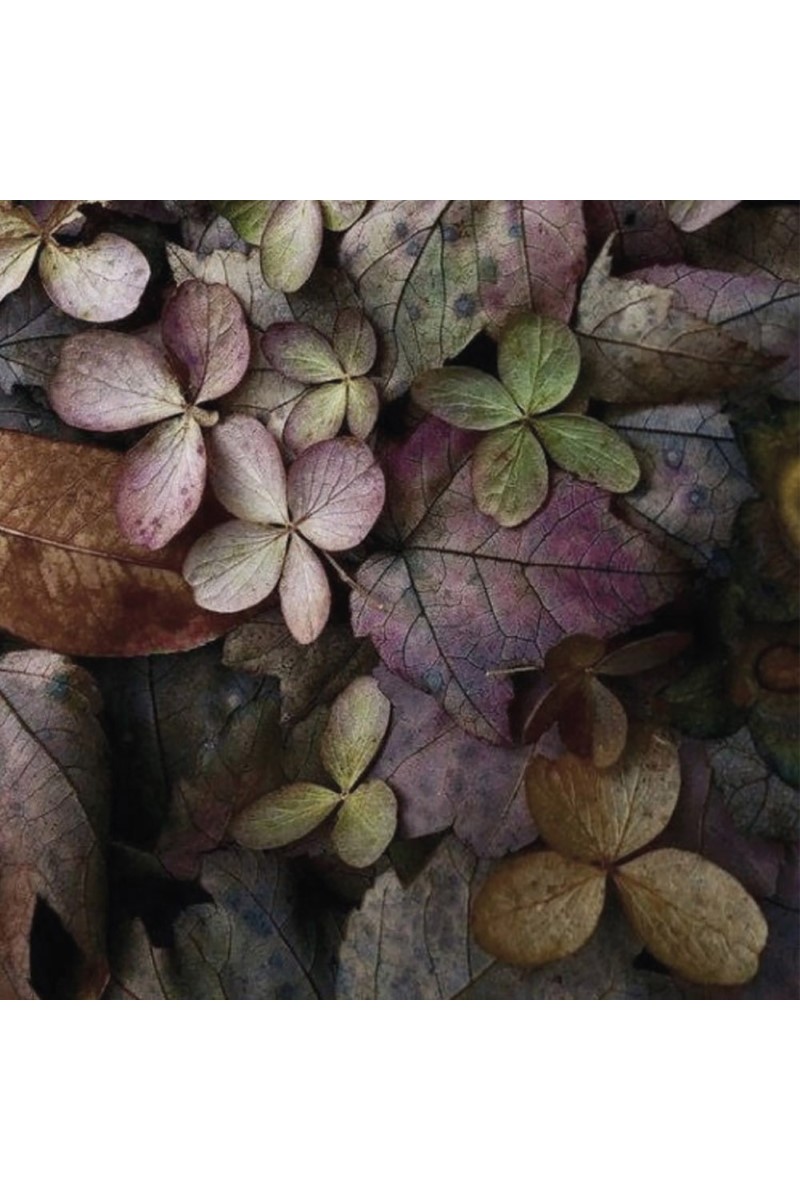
{"x":538,"y":908}
{"x":602,"y":816}
{"x":693,"y":916}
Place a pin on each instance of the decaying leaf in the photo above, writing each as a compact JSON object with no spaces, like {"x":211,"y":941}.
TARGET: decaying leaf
{"x":53,"y":822}
{"x":759,"y":801}
{"x":690,"y":215}
{"x":32,"y":332}
{"x":693,"y":916}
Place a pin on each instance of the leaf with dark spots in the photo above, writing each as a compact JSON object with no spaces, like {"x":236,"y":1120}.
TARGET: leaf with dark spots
{"x":409,"y":943}
{"x":454,"y":596}
{"x":32,"y":332}
{"x":250,"y":941}
{"x":694,"y":477}
{"x":759,"y":309}
{"x":68,"y":580}
{"x":53,"y":819}
{"x":444,"y":778}
{"x":639,"y":344}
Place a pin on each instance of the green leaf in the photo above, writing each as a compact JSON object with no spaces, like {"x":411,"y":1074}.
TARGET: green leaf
{"x":590,"y":450}
{"x":248,"y":217}
{"x":466,"y":398}
{"x":366,"y":824}
{"x":283,"y":816}
{"x":538,"y":361}
{"x":356,"y":727}
{"x":509,"y":475}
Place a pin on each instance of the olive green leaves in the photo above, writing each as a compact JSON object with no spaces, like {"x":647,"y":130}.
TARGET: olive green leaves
{"x":538,"y":364}
{"x":367,"y":815}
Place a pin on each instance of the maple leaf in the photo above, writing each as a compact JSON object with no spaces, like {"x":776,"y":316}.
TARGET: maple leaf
{"x":53,"y":818}
{"x":101,"y":281}
{"x":454,"y":596}
{"x":330,"y":499}
{"x":108,"y":381}
{"x":367,"y":813}
{"x":337,"y":371}
{"x":431,"y":273}
{"x":538,"y":363}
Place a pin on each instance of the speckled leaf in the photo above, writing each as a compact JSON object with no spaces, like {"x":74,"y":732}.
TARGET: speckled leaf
{"x":589,"y":449}
{"x":99,"y":282}
{"x":604,"y":815}
{"x":455,"y":596}
{"x":249,"y":942}
{"x":290,"y":243}
{"x":509,"y":475}
{"x":412,"y":943}
{"x":365,"y":824}
{"x":281,"y":817}
{"x":203,"y":326}
{"x":442,"y":777}
{"x":308,"y":675}
{"x":161,"y":483}
{"x":691,"y":215}
{"x":761,"y":310}
{"x":693,"y":916}
{"x":53,"y":818}
{"x":356,"y":727}
{"x":639,"y":344}
{"x":32,"y":332}
{"x":538,"y":908}
{"x":68,"y":579}
{"x":694,"y":477}
{"x":108,"y":381}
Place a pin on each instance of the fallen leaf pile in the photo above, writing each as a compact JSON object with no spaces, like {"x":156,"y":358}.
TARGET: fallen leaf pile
{"x":399,"y":599}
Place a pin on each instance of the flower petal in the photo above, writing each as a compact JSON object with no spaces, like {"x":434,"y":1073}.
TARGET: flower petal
{"x":357,"y":725}
{"x":305,"y":593}
{"x":317,"y":416}
{"x":538,"y":361}
{"x":247,"y":471}
{"x":362,"y":407}
{"x":19,"y":240}
{"x":235,"y":566}
{"x":300,"y":352}
{"x":354,"y":342}
{"x":99,"y":282}
{"x":336,"y":492}
{"x":589,"y":449}
{"x":204,"y":327}
{"x":466,"y":398}
{"x":108,"y":381}
{"x":509,"y":475}
{"x":291,"y":243}
{"x":341,"y":214}
{"x":283,"y":816}
{"x":162,"y":482}
{"x":366,"y":824}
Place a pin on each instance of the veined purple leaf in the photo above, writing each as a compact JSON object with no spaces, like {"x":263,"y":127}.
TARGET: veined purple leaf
{"x":108,"y":381}
{"x":99,"y":282}
{"x":457,"y":596}
{"x":203,"y":326}
{"x":691,"y":215}
{"x":644,"y":232}
{"x":161,"y":483}
{"x":336,"y":492}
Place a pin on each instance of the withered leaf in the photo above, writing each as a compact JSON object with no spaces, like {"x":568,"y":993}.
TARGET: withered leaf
{"x":32,"y":332}
{"x":538,"y":908}
{"x":68,"y":580}
{"x":750,"y":240}
{"x":693,"y":916}
{"x":758,"y":800}
{"x":53,"y":818}
{"x":602,"y":816}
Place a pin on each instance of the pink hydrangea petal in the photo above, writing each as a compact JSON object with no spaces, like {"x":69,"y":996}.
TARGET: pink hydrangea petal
{"x":247,"y":471}
{"x":300,"y":352}
{"x":162,"y":482}
{"x":305,"y":593}
{"x":108,"y":381}
{"x":336,"y":492}
{"x":204,"y":327}
{"x":99,"y":282}
{"x":235,"y":566}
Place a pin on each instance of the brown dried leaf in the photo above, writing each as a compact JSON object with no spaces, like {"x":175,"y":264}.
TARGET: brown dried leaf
{"x":68,"y":580}
{"x":602,"y":816}
{"x":53,"y":797}
{"x":537,"y":908}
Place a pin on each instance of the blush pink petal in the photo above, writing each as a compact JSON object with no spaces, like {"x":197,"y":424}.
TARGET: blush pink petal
{"x":204,"y":327}
{"x":162,"y":482}
{"x":336,"y":492}
{"x":247,"y":471}
{"x":108,"y":381}
{"x":99,"y":282}
{"x":305,"y":593}
{"x":235,"y":566}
